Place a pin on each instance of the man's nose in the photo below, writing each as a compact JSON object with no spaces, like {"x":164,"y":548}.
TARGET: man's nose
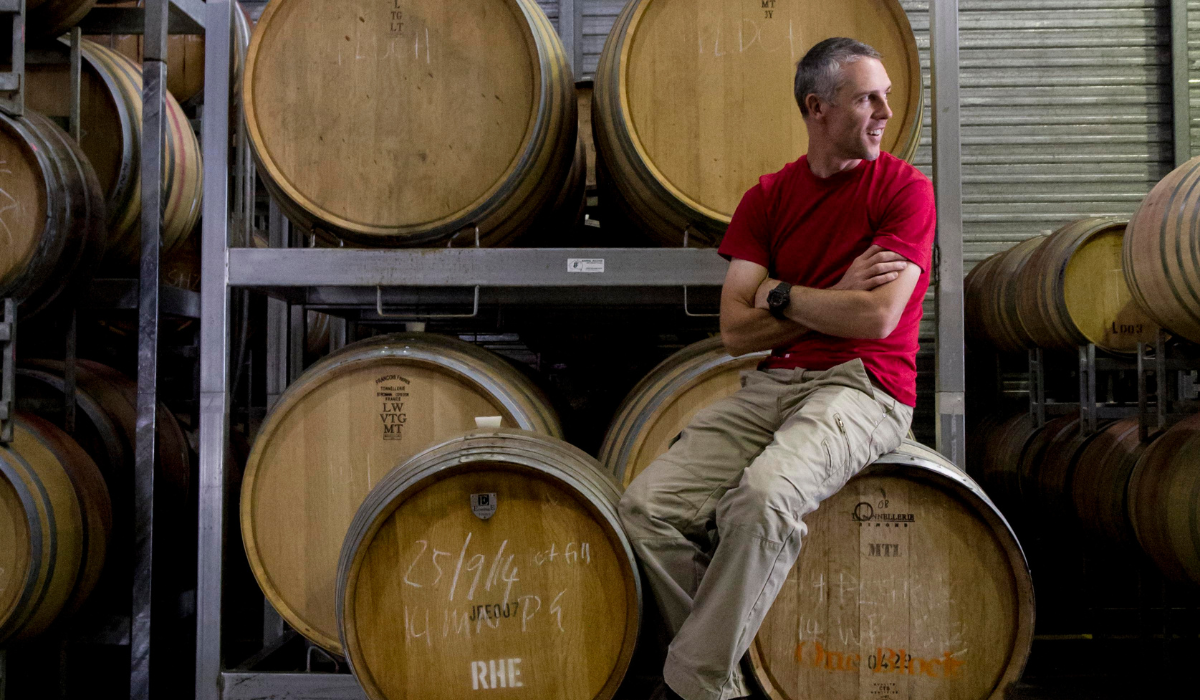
{"x":885,"y":112}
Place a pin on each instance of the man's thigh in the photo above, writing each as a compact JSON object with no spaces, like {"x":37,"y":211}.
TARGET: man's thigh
{"x":683,"y":485}
{"x":832,"y":433}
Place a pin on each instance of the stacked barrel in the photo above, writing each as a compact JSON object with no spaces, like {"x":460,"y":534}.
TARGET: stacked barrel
{"x":65,"y":510}
{"x":1113,"y":283}
{"x":1058,"y":291}
{"x":409,"y":504}
{"x":74,"y":209}
{"x":679,"y":138}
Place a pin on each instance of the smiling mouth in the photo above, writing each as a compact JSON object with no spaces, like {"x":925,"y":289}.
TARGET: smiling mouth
{"x":875,"y":132}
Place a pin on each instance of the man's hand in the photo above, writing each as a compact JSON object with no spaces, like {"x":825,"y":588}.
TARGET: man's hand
{"x":874,"y":268}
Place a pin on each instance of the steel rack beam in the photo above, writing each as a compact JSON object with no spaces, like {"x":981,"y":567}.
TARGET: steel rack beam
{"x":947,"y":180}
{"x":113,"y":293}
{"x":184,"y":17}
{"x":484,"y":267}
{"x":291,"y":686}
{"x":148,"y":615}
{"x":214,"y":351}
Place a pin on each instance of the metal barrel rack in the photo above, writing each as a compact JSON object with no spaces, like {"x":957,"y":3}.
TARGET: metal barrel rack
{"x":370,"y":285}
{"x":140,"y":631}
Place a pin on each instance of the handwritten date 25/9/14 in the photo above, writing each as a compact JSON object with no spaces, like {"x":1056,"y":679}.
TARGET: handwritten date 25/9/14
{"x":468,"y":574}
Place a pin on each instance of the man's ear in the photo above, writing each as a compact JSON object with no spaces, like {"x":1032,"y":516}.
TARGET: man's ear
{"x":813,"y":103}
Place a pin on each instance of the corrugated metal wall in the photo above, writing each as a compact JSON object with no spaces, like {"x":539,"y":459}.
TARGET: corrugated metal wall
{"x":1194,"y":75}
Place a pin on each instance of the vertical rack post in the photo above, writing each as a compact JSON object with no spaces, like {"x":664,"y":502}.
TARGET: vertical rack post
{"x":1180,"y":89}
{"x":277,"y":375}
{"x":214,"y":349}
{"x":74,"y":127}
{"x":947,"y":178}
{"x":8,"y":368}
{"x":146,"y":618}
{"x":12,"y":83}
{"x":1037,"y":387}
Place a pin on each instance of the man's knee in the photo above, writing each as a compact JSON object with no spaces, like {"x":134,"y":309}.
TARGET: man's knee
{"x":638,"y":508}
{"x":766,"y":506}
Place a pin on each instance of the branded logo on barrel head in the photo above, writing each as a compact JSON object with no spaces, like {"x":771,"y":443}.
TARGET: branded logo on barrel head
{"x":483,"y":505}
{"x":865,"y":512}
{"x":391,"y":391}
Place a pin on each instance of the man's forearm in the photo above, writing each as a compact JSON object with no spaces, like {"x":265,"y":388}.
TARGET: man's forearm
{"x":748,"y":330}
{"x":849,"y":313}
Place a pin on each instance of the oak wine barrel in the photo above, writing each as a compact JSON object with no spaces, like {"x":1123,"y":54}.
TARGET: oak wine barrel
{"x":910,"y":584}
{"x":336,"y":431}
{"x":55,"y":518}
{"x":493,"y":560}
{"x":1161,"y":254}
{"x":1056,"y":431}
{"x":45,"y":19}
{"x":678,"y":139}
{"x":992,"y":290}
{"x":1164,"y":500}
{"x":111,"y":109}
{"x":1049,"y":491}
{"x":1001,"y":452}
{"x":411,"y":121}
{"x":660,"y":406}
{"x":1073,"y":291}
{"x":53,"y":215}
{"x":105,"y":427}
{"x":1099,"y":489}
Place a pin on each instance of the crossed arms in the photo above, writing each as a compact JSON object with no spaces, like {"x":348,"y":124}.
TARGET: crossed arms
{"x":866,"y":303}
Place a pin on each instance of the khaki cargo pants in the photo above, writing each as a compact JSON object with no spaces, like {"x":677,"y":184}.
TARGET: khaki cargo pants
{"x":746,"y":470}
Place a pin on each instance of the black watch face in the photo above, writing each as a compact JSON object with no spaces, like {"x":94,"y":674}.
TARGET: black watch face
{"x":777,"y":299}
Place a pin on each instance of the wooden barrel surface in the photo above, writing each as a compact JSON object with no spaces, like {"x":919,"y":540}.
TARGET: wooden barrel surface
{"x":1057,"y":431}
{"x":677,"y":136}
{"x":495,"y":560}
{"x":45,"y":19}
{"x":336,"y":431}
{"x":1161,"y":253}
{"x":910,"y":584}
{"x":662,"y":404}
{"x":1164,"y":500}
{"x":1049,"y":492}
{"x":55,"y":517}
{"x":111,"y":110}
{"x":1001,"y":455}
{"x":1073,"y":291}
{"x":1099,"y":489}
{"x":105,"y":427}
{"x":412,"y":120}
{"x":115,"y":395}
{"x":998,"y":292}
{"x":53,"y":213}
{"x":95,"y":506}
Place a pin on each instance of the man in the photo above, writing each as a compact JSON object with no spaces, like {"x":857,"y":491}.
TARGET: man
{"x":829,"y":263}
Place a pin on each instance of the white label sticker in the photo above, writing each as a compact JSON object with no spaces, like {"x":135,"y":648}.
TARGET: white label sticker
{"x":483,"y":505}
{"x":585,"y":265}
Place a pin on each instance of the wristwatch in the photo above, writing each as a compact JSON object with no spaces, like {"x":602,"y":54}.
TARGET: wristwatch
{"x":779,"y":298}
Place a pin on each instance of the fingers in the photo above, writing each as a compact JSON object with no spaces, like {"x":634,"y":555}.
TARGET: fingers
{"x":883,"y":255}
{"x":886,"y":267}
{"x":880,"y":280}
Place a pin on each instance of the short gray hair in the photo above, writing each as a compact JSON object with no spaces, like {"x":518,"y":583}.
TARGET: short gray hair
{"x":820,"y":71}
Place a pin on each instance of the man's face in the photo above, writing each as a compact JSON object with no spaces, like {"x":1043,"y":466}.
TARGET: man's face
{"x":858,"y":115}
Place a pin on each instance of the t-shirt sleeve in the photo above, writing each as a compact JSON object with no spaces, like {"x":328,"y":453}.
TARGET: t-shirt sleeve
{"x":747,"y":237}
{"x":910,"y":223}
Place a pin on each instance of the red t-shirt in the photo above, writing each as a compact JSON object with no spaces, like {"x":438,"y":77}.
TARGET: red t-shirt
{"x":807,"y":230}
